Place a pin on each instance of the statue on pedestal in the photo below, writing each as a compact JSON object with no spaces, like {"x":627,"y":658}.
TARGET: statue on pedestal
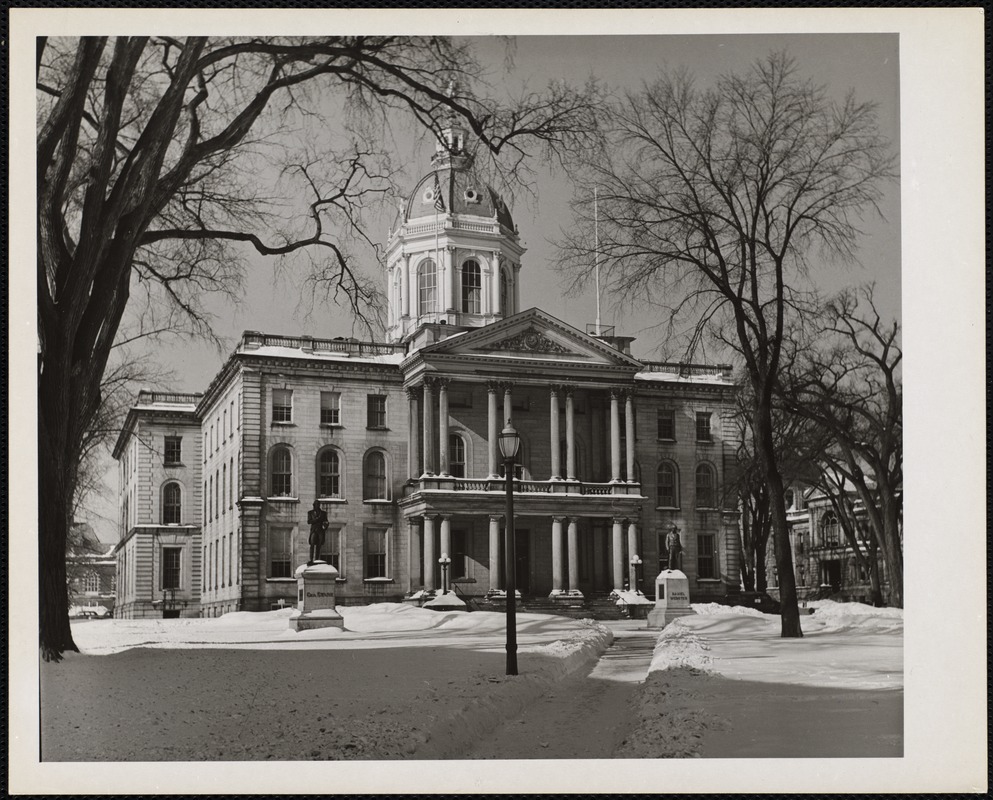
{"x":317,"y":518}
{"x":674,"y":547}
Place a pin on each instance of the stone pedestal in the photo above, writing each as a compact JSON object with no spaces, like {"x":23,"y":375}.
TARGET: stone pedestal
{"x":445,"y":601}
{"x":672,"y":598}
{"x":315,"y":597}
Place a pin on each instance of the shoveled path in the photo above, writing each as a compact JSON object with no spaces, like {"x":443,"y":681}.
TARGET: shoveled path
{"x":584,"y":716}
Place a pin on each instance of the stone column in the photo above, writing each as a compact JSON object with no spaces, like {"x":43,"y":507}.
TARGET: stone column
{"x":414,"y":469}
{"x":446,"y":535}
{"x":495,"y":287}
{"x":516,"y":289}
{"x":615,"y":436}
{"x":557,"y":555}
{"x":495,"y":551}
{"x":405,"y":286}
{"x":570,"y":435}
{"x":732,"y":548}
{"x":451,"y":281}
{"x":508,"y":404}
{"x":617,"y":553}
{"x":429,"y":558}
{"x":573,"y":554}
{"x":416,"y":559}
{"x":443,"y":425}
{"x":632,"y":552}
{"x":428,"y":427}
{"x":493,"y":428}
{"x":629,"y":434}
{"x":553,"y":427}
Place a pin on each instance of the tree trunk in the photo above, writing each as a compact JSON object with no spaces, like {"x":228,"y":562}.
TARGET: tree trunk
{"x":56,"y":471}
{"x":747,"y":550}
{"x":789,"y":608}
{"x":761,"y":573}
{"x":893,"y":553}
{"x":874,"y":586}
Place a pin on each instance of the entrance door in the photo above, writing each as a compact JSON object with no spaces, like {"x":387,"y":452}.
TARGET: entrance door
{"x":170,"y":613}
{"x":522,"y":552}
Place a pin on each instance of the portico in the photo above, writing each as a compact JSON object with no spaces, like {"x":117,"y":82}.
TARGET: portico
{"x":577,"y":469}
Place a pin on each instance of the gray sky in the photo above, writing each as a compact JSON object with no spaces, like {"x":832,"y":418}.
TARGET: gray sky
{"x":866,"y":62}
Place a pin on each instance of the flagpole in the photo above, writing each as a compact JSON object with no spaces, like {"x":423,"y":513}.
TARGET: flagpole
{"x":596,"y":246}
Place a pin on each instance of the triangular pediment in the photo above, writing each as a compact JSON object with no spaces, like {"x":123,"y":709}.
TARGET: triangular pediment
{"x":532,"y":335}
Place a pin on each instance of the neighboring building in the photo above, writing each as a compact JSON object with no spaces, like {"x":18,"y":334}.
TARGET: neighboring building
{"x":158,"y":555}
{"x":825,"y":562}
{"x":91,"y":571}
{"x":398,"y":441}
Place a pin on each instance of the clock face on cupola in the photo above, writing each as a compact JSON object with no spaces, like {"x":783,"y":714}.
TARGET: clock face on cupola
{"x":453,"y":263}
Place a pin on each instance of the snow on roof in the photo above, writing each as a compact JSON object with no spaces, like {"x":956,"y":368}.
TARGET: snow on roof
{"x":275,"y":351}
{"x":673,"y":377}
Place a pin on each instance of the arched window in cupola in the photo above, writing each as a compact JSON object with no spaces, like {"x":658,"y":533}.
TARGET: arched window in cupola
{"x":427,"y":287}
{"x":472,"y":287}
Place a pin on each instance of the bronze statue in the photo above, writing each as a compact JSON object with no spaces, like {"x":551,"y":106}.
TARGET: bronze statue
{"x":674,"y":547}
{"x":317,"y":518}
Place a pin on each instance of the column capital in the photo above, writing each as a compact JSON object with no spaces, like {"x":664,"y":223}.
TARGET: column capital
{"x":567,"y":389}
{"x":412,"y":392}
{"x":496,"y":517}
{"x":442,"y":383}
{"x":493,"y":386}
{"x":620,"y":520}
{"x":617,"y":392}
{"x":560,"y":518}
{"x":506,"y":386}
{"x":574,"y":520}
{"x":444,"y":516}
{"x":431,"y":516}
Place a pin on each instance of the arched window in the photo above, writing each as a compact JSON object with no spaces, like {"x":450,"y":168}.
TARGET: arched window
{"x":374,"y":485}
{"x":504,"y":292}
{"x":472,"y":287}
{"x":92,"y":582}
{"x":456,"y":456}
{"x":280,"y":473}
{"x":829,"y":530}
{"x":427,"y":286}
{"x":172,"y":504}
{"x":329,"y":474}
{"x":706,"y":487}
{"x":668,"y":485}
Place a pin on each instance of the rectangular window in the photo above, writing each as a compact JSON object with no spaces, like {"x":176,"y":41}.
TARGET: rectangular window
{"x":706,"y":558}
{"x":375,"y":553}
{"x":230,"y":557}
{"x":282,"y":405}
{"x":231,"y":487}
{"x":703,"y":426}
{"x":280,"y":552}
{"x":377,"y":411}
{"x":224,"y":425}
{"x":330,"y":408}
{"x":171,"y":561}
{"x":332,"y":550}
{"x":173,"y":450}
{"x":667,"y":424}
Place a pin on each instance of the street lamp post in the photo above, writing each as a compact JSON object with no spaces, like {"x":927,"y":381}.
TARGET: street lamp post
{"x":637,"y":563}
{"x":510,"y":443}
{"x":444,"y":561}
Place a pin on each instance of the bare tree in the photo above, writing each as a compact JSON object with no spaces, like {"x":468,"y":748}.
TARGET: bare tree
{"x":798,"y":446}
{"x":149,"y":157}
{"x":712,"y":202}
{"x":852,"y":387}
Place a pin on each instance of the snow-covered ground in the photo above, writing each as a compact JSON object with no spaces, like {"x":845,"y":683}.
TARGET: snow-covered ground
{"x":697,"y":690}
{"x":844,"y":645}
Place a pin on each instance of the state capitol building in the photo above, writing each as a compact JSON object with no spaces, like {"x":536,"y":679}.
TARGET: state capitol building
{"x":397,"y":440}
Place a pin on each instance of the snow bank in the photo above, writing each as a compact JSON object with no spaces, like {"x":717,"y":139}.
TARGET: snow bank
{"x":677,"y":646}
{"x":839,"y":617}
{"x":717,"y":608}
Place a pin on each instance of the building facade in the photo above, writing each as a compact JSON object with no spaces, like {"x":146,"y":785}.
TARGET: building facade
{"x":397,"y":442}
{"x":825,"y":562}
